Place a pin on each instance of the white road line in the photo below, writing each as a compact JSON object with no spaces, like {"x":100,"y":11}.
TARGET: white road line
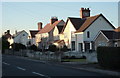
{"x":5,"y":63}
{"x":21,"y":68}
{"x":38,"y":73}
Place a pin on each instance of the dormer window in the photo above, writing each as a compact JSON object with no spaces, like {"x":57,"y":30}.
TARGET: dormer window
{"x":88,"y":34}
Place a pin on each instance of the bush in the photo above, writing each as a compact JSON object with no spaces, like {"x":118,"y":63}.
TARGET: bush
{"x":64,"y":48}
{"x":72,"y":57}
{"x":109,"y":57}
{"x":18,"y":46}
{"x":53,"y":48}
{"x":83,"y":57}
{"x":33,"y":47}
{"x":65,"y":57}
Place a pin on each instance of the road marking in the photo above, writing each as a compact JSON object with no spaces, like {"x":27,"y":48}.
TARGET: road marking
{"x":5,"y":63}
{"x":38,"y":73}
{"x":21,"y":68}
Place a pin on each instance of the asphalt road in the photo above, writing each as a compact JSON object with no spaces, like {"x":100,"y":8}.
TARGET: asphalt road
{"x":15,"y":66}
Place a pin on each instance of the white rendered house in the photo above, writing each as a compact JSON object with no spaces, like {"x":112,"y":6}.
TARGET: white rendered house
{"x":21,"y":37}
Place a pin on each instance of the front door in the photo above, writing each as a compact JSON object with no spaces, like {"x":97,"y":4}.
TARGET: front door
{"x":87,"y":46}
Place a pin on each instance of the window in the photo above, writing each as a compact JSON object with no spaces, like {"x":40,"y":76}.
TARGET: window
{"x":101,"y":43}
{"x":87,"y":46}
{"x":80,"y":46}
{"x":73,"y":45}
{"x":23,"y":34}
{"x":88,"y":34}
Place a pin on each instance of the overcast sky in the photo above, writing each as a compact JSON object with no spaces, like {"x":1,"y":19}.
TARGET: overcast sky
{"x":25,"y":15}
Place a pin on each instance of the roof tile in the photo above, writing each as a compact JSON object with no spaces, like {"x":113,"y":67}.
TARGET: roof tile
{"x":87,"y":23}
{"x":48,"y":27}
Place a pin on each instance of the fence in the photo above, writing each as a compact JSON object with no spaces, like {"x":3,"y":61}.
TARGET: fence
{"x":91,"y":57}
{"x":43,"y":56}
{"x":17,"y":53}
{"x":72,"y":53}
{"x":51,"y":56}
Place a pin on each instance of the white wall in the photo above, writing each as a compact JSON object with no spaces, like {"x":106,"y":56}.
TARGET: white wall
{"x":67,"y":32}
{"x":37,"y":38}
{"x":56,"y":33}
{"x":99,"y":24}
{"x":79,"y":39}
{"x":21,"y":39}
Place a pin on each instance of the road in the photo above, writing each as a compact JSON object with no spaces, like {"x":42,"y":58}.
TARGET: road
{"x":15,"y":66}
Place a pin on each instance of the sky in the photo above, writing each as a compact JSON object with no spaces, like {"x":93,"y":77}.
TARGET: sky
{"x":25,"y":15}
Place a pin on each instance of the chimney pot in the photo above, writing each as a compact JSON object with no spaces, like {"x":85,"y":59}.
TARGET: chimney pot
{"x":54,"y":19}
{"x":82,"y":8}
{"x":8,"y":31}
{"x":84,"y":12}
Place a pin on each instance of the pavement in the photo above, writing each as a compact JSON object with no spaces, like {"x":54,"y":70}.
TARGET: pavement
{"x":91,"y":67}
{"x":81,"y":66}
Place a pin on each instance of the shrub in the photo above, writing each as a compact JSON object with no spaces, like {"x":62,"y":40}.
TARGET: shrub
{"x":64,"y":48}
{"x":83,"y":57}
{"x":53,"y":48}
{"x":109,"y":57}
{"x":18,"y":46}
{"x":72,"y":57}
{"x":33,"y":47}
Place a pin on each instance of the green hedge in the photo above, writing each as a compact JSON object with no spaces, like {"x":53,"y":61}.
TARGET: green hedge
{"x":109,"y":57}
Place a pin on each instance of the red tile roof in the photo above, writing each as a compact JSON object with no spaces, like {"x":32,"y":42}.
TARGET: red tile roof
{"x":59,"y":41}
{"x":48,"y":27}
{"x":7,"y":36}
{"x":33,"y":33}
{"x":89,"y":21}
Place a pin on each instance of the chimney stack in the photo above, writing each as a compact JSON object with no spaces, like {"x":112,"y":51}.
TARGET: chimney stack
{"x":15,"y":31}
{"x":39,"y":26}
{"x":5,"y":33}
{"x":84,"y":12}
{"x":8,"y":31}
{"x":54,"y":19}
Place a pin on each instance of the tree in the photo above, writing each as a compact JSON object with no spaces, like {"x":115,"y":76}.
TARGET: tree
{"x":5,"y":44}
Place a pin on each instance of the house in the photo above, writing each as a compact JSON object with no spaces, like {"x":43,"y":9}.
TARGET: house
{"x":21,"y":37}
{"x":117,"y":29}
{"x":32,"y":38}
{"x":107,"y":38}
{"x":79,"y":33}
{"x":50,"y":33}
{"x":8,"y":36}
{"x":72,"y":24}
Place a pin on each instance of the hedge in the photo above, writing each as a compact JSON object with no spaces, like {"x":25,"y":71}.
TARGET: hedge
{"x":109,"y":57}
